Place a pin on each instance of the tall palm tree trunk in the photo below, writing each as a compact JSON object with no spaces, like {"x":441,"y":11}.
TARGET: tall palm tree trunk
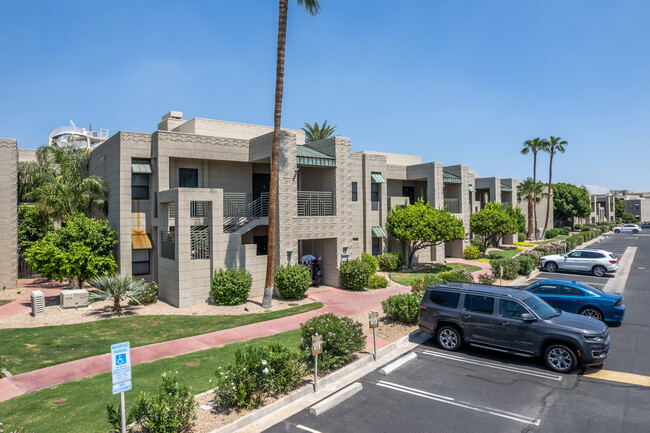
{"x":548,"y":196}
{"x":535,"y":195}
{"x":275,"y":153}
{"x":531,"y":226}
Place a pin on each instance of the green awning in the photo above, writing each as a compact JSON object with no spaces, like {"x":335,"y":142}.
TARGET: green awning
{"x":308,"y":156}
{"x":505,"y":187}
{"x":471,"y":188}
{"x":141,"y":166}
{"x":450,"y":177}
{"x":377,"y":178}
{"x":378,"y":232}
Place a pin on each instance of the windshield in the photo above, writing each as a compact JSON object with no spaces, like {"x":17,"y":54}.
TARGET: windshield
{"x":541,"y":308}
{"x":588,"y":288}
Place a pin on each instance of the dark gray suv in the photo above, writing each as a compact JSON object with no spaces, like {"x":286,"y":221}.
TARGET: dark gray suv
{"x":512,"y":321}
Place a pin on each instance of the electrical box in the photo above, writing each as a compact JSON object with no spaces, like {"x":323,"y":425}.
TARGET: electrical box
{"x":38,"y":303}
{"x":74,"y":298}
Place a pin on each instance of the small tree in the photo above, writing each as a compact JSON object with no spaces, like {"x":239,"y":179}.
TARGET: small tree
{"x":32,"y":226}
{"x":569,"y":202}
{"x":118,"y":288}
{"x":619,"y":207}
{"x":627,"y":217}
{"x":518,"y":216}
{"x":492,"y":222}
{"x":422,"y":226}
{"x":81,"y":250}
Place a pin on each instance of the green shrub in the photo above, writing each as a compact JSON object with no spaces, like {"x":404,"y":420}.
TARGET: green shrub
{"x":230,"y":286}
{"x":524,"y":244}
{"x":420,"y":285}
{"x":526,"y":265}
{"x":461,"y":276}
{"x":487,"y":279}
{"x":342,"y":338}
{"x":402,"y":308}
{"x":479,"y":242}
{"x":172,"y":410}
{"x":292,"y":281}
{"x":510,"y":268}
{"x":257,"y":371}
{"x":371,"y":261}
{"x":577,"y":227}
{"x":521,"y":237}
{"x":391,"y":261}
{"x":354,"y":274}
{"x":472,"y":252}
{"x":563,"y":230}
{"x":377,"y":282}
{"x":148,"y":295}
{"x":552,"y":233}
{"x":534,"y":255}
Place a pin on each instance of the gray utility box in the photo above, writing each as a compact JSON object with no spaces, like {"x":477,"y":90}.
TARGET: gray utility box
{"x":38,"y":303}
{"x":74,"y":298}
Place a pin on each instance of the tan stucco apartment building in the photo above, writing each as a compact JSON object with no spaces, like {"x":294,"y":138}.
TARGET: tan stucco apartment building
{"x":192,"y":197}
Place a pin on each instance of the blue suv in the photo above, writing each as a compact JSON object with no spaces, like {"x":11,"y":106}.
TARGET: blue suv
{"x":580,"y":298}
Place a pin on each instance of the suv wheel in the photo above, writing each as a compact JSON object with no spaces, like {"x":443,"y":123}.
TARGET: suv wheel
{"x":551,"y":267}
{"x":449,"y":338}
{"x":560,"y":358}
{"x":617,"y":231}
{"x":635,"y":231}
{"x":599,"y":271}
{"x":592,"y":313}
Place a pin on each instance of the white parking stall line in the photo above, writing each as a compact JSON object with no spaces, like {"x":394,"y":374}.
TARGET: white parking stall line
{"x":448,"y":400}
{"x":310,"y":430}
{"x":513,"y":369}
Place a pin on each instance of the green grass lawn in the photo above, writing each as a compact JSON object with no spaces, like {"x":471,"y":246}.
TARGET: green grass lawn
{"x":4,"y":301}
{"x":84,"y":410}
{"x":501,"y":253}
{"x":406,"y":278}
{"x":26,"y":349}
{"x":548,"y":241}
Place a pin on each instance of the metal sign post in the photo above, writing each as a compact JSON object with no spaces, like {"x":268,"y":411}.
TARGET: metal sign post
{"x":121,"y":369}
{"x":374,"y":323}
{"x":501,"y":275}
{"x":316,"y":349}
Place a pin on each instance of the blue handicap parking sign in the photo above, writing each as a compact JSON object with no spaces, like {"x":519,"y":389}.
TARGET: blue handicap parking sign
{"x":120,"y":359}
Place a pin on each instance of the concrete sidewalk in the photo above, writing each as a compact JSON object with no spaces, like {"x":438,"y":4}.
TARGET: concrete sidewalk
{"x":51,"y":290}
{"x":336,"y":301}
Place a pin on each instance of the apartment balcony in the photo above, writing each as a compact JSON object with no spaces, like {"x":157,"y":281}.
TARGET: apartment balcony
{"x":316,"y":203}
{"x":239,"y":209}
{"x":452,"y":205}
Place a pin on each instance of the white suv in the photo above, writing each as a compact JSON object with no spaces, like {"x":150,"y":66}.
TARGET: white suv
{"x":598,"y":262}
{"x":627,"y":228}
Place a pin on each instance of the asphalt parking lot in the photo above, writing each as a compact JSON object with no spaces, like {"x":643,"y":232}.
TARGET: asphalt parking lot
{"x":484,"y":391}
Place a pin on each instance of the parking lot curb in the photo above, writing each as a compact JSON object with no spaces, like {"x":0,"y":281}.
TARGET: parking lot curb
{"x":335,"y":399}
{"x":337,"y":379}
{"x":387,"y":369}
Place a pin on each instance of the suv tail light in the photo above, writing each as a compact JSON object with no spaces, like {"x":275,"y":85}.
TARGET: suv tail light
{"x":422,"y":307}
{"x":618,"y":303}
{"x":612,"y":261}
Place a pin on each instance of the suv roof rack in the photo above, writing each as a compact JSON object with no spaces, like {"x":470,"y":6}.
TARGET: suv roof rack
{"x":482,"y":288}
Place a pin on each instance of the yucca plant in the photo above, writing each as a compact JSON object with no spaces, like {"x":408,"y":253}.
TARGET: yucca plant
{"x":118,"y":287}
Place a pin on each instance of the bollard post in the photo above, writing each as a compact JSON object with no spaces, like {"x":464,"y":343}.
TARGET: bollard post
{"x":316,"y":349}
{"x":373,"y":319}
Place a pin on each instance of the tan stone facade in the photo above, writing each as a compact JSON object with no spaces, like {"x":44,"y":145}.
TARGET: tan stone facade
{"x":8,"y":214}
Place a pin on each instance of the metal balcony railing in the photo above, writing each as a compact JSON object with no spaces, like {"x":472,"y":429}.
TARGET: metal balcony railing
{"x":238,"y":209}
{"x":452,"y":205}
{"x":315,"y":203}
{"x":199,"y":209}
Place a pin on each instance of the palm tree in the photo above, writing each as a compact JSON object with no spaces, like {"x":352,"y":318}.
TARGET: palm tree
{"x":531,"y":192}
{"x":315,"y":133}
{"x":555,"y":144}
{"x":60,"y":182}
{"x":533,"y":146}
{"x":118,"y":287}
{"x":313,"y":7}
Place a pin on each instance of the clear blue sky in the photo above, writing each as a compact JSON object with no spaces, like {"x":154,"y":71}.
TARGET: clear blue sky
{"x":454,"y":81}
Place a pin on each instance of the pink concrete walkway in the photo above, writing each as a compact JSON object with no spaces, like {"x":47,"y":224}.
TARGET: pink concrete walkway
{"x":339,"y":302}
{"x":50,"y":289}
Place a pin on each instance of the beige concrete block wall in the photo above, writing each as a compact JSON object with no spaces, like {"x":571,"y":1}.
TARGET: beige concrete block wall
{"x":9,"y":213}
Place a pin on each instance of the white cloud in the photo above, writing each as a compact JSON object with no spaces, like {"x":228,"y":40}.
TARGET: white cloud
{"x":595,"y":189}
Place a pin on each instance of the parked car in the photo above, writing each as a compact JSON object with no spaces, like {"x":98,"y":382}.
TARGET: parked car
{"x":645,"y":226}
{"x":598,"y":262}
{"x":512,"y":321}
{"x":633,"y":228}
{"x":580,"y":298}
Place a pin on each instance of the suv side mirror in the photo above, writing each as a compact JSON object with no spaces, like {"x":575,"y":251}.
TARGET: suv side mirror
{"x":527,"y":317}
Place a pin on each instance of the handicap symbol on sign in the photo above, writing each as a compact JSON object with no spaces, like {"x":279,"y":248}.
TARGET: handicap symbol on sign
{"x":120,"y":359}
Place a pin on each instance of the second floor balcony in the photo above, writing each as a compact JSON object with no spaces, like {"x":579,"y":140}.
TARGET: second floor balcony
{"x":316,"y":203}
